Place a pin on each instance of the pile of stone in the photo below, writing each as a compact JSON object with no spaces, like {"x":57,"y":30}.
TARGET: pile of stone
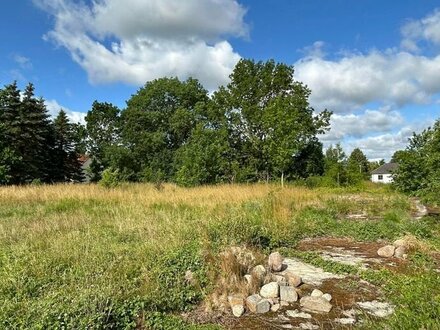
{"x":277,"y":288}
{"x":399,"y":250}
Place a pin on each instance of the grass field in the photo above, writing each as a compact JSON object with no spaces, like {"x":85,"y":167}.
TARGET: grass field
{"x":82,"y":256}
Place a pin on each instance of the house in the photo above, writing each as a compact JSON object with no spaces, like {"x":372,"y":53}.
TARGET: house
{"x":384,"y":174}
{"x":85,"y":165}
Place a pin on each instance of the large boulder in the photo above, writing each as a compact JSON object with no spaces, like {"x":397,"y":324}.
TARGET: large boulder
{"x":293,"y":279}
{"x":275,"y":262}
{"x":270,"y":290}
{"x":263,"y":306}
{"x":288,"y":294}
{"x":386,"y":252}
{"x":315,"y":304}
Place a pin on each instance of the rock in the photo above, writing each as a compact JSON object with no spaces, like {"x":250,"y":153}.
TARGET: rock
{"x":377,"y":308}
{"x":270,"y":290}
{"x":275,"y":262}
{"x":315,"y":304}
{"x":295,"y":313}
{"x":293,"y":279}
{"x":259,"y":272}
{"x":327,"y":297}
{"x":308,"y":326}
{"x":288,"y":293}
{"x":248,"y":278}
{"x":275,"y":301}
{"x":275,"y":307}
{"x":263,"y":306}
{"x":386,"y":252}
{"x":317,"y":293}
{"x":346,"y":321}
{"x":405,"y":256}
{"x":281,"y":280}
{"x":238,"y":310}
{"x":189,"y":277}
{"x":400,"y":242}
{"x":400,"y":251}
{"x":237,"y":305}
{"x":252,"y":301}
{"x":284,"y":303}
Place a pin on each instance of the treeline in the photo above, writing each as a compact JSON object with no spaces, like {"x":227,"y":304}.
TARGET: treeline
{"x":34,"y":148}
{"x":419,"y":165}
{"x":259,"y":127}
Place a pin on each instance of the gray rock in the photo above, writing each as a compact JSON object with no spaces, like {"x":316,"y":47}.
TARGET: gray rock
{"x":270,"y":290}
{"x":400,"y":251}
{"x":252,"y":301}
{"x":327,"y":297}
{"x":346,"y":321}
{"x":263,"y":306}
{"x":284,"y":303}
{"x":288,"y":293}
{"x":297,"y":314}
{"x":237,"y":305}
{"x":281,"y":280}
{"x":315,"y":304}
{"x":238,"y":310}
{"x":316,"y":293}
{"x":275,"y":307}
{"x":386,"y":252}
{"x":275,"y":262}
{"x":258,"y":273}
{"x":248,"y":278}
{"x":377,"y":308}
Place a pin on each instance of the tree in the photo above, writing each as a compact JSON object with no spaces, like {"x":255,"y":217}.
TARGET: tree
{"x":159,"y":119}
{"x":65,"y":153}
{"x":103,"y":130}
{"x":335,"y":165}
{"x":269,"y":118}
{"x":357,"y":166}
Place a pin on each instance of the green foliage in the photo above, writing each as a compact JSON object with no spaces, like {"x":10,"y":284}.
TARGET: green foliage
{"x":110,"y":178}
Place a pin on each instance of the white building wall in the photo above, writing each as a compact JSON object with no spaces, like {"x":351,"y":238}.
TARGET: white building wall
{"x":386,"y":178}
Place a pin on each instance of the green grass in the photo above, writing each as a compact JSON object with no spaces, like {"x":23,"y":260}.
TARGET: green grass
{"x":76,"y":257}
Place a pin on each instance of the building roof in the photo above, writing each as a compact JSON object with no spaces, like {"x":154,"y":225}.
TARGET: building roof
{"x":387,"y":168}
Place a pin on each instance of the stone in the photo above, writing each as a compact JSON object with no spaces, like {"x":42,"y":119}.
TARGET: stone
{"x":238,"y":310}
{"x":270,"y":290}
{"x":288,"y":293}
{"x":284,"y":303}
{"x":293,"y":279}
{"x":275,"y":301}
{"x":400,"y":242}
{"x":259,"y":272}
{"x":275,"y":307}
{"x":189,"y":277}
{"x":275,"y":262}
{"x":377,"y":308}
{"x":297,"y":314}
{"x":263,"y":306}
{"x":400,"y":251}
{"x":315,"y":304}
{"x":252,"y":301}
{"x":248,"y":279}
{"x":308,"y":326}
{"x":327,"y":297}
{"x":386,"y":252}
{"x":281,"y":280}
{"x":346,"y":321}
{"x":317,"y":293}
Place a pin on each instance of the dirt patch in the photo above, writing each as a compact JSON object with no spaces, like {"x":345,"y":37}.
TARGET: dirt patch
{"x":349,"y":252}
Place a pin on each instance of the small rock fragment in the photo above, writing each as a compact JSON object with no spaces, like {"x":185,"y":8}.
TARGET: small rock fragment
{"x":275,"y":261}
{"x":284,"y":303}
{"x":315,"y":304}
{"x":288,"y":294}
{"x":400,"y":242}
{"x":248,"y":278}
{"x":400,"y":252}
{"x":377,"y":308}
{"x":316,"y":293}
{"x":237,"y":305}
{"x":275,"y":307}
{"x":281,"y":280}
{"x":238,"y":310}
{"x":327,"y":296}
{"x":386,"y":252}
{"x":259,"y":271}
{"x":263,"y":306}
{"x":252,"y":301}
{"x":270,"y":290}
{"x":189,"y":277}
{"x":346,"y":321}
{"x":296,"y":313}
{"x":308,"y":326}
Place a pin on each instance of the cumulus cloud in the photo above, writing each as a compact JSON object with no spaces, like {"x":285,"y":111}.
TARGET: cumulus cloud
{"x":425,"y":29}
{"x":391,"y":77}
{"x":134,"y":41}
{"x":358,"y":125}
{"x":74,"y":116}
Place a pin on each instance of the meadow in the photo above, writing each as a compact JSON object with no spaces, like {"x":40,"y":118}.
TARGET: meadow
{"x":85,"y":256}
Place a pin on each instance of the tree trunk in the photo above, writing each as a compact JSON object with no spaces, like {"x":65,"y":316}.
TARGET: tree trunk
{"x":282,"y":179}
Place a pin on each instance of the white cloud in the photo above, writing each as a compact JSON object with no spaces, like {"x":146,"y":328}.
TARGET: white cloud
{"x":426,"y":29}
{"x":74,"y":116}
{"x":22,"y":61}
{"x":358,"y":125}
{"x":134,"y":41}
{"x":390,"y":77}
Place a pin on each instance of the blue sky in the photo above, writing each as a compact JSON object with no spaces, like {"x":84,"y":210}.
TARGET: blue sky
{"x":376,"y":64}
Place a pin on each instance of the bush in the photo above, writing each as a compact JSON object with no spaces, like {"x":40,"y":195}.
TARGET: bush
{"x":110,"y":178}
